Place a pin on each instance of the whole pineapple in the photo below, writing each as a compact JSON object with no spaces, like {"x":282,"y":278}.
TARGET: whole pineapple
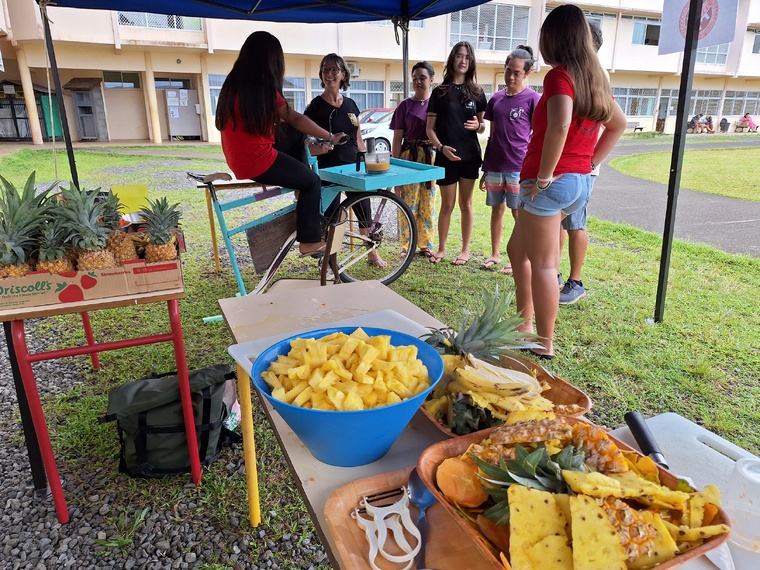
{"x":21,"y":215}
{"x":119,"y":242}
{"x":84,"y":213}
{"x":51,"y":255}
{"x":160,"y":219}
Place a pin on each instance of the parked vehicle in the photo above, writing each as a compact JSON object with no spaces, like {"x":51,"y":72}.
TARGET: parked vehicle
{"x":374,"y":115}
{"x":379,"y":130}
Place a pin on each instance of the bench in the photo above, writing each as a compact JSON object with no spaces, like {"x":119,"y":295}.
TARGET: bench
{"x":741,"y":126}
{"x":635,"y":125}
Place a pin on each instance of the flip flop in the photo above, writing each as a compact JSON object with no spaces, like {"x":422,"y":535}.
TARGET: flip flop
{"x":489,"y":263}
{"x":435,"y":259}
{"x":426,"y":253}
{"x":506,"y":270}
{"x":460,"y":261}
{"x":379,"y":262}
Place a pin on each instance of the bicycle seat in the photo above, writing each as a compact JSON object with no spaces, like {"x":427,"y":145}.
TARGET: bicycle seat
{"x":206,"y":178}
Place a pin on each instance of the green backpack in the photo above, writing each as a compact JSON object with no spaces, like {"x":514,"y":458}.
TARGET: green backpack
{"x":148,"y":414}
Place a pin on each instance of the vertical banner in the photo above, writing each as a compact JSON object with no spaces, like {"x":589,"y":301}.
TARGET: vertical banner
{"x":717,"y":24}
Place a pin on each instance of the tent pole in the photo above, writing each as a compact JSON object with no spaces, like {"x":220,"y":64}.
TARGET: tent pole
{"x":679,"y":142}
{"x":405,"y":55}
{"x":59,"y":96}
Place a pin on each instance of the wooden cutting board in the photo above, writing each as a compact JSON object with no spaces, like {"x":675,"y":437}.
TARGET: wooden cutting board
{"x":448,"y":547}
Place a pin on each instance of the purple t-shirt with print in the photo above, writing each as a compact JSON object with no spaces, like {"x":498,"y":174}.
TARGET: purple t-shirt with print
{"x":411,"y":117}
{"x":510,"y":116}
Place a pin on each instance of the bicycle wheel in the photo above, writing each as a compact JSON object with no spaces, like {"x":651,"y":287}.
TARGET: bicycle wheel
{"x":392,"y":233}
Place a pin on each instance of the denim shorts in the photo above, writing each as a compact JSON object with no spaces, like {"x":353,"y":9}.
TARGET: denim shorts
{"x":503,"y":187}
{"x":577,"y":220}
{"x":566,"y":194}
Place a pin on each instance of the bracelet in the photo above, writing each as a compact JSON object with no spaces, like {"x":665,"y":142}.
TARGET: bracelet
{"x":538,"y":183}
{"x":593,"y":166}
{"x":329,"y":138}
{"x":441,"y":147}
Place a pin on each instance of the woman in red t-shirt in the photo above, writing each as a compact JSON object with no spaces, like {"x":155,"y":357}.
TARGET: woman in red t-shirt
{"x":555,"y":177}
{"x":249,"y":111}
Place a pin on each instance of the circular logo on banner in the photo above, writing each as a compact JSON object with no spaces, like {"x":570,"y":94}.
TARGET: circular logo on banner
{"x":706,"y":22}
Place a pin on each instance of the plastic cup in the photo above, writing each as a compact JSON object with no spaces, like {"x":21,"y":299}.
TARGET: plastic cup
{"x":742,"y":504}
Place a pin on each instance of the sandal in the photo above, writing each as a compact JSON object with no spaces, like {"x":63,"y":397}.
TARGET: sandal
{"x":489,"y":263}
{"x":506,"y":270}
{"x":435,"y":259}
{"x":379,"y":262}
{"x":426,"y":253}
{"x":460,"y":261}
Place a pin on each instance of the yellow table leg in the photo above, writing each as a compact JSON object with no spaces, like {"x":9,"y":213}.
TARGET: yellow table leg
{"x":249,"y":446}
{"x":212,"y":227}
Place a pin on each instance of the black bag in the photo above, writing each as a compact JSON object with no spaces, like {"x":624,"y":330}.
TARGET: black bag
{"x":148,"y":414}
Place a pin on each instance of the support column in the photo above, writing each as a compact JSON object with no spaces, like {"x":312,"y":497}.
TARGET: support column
{"x":29,"y":100}
{"x":150,"y":90}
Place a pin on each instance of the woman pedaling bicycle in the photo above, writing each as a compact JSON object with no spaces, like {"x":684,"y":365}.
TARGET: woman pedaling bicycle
{"x":250,"y":105}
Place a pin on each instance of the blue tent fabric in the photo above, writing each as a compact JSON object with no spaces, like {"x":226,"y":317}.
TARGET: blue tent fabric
{"x":303,"y":11}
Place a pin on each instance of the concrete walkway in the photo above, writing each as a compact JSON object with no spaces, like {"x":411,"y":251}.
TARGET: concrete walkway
{"x":728,"y":224}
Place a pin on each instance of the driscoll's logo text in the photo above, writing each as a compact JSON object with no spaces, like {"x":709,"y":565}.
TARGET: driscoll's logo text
{"x":38,"y":287}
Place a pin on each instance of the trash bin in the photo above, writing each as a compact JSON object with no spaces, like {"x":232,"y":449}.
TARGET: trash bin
{"x":724,"y":125}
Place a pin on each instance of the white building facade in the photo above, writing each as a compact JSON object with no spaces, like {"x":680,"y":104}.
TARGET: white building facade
{"x":145,"y":77}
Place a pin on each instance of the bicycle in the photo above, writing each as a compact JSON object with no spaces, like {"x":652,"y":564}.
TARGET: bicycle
{"x":391,"y":230}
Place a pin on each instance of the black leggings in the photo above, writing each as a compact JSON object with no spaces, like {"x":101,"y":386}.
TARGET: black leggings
{"x":362,"y":209}
{"x":290,"y":173}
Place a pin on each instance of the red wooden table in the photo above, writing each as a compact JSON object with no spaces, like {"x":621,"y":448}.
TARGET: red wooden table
{"x":25,"y":360}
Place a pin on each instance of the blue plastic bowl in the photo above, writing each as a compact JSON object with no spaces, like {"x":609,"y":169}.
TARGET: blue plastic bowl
{"x":349,"y":438}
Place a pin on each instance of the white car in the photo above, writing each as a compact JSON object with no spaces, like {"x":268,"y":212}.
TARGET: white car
{"x":380,"y":131}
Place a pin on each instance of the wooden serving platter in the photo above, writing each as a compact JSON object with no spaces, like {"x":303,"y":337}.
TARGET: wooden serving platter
{"x":448,"y":547}
{"x":433,"y":456}
{"x":561,"y":392}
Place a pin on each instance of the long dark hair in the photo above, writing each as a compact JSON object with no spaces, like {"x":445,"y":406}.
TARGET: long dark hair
{"x":565,"y":39}
{"x":254,"y":82}
{"x":471,"y":91}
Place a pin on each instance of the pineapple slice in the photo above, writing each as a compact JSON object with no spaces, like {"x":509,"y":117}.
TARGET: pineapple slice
{"x":596,"y":543}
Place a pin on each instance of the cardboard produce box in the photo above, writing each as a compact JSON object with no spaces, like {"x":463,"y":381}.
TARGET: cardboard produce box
{"x":42,"y":288}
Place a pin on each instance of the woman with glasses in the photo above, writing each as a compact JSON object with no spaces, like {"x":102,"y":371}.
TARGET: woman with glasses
{"x":248,"y":114}
{"x":336,"y":112}
{"x":509,"y":113}
{"x":454,"y":119}
{"x":410,"y":142}
{"x":555,"y":179}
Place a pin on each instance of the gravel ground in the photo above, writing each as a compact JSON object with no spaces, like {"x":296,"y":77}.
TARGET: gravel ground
{"x":184,"y":536}
{"x":112,"y":525}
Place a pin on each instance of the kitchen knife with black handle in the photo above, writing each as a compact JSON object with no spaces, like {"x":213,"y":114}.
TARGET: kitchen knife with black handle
{"x":644,"y":438}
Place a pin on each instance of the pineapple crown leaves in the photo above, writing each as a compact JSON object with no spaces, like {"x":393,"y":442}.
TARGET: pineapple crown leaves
{"x":160,"y":218}
{"x":112,"y":210}
{"x":83,"y":211}
{"x":492,"y":334}
{"x":12,"y":202}
{"x":53,"y":240}
{"x":534,"y":469}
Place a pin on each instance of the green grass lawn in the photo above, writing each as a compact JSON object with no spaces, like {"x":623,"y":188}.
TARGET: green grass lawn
{"x":702,"y":361}
{"x":726,"y":172}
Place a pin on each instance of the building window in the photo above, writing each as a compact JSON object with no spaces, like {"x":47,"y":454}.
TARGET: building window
{"x":215,"y":83}
{"x":166,"y":83}
{"x":704,"y":101}
{"x":716,"y":55}
{"x":635,"y":102}
{"x":160,"y":21}
{"x":741,"y":102}
{"x":367,"y":94}
{"x":294,"y":92}
{"x":492,"y":26}
{"x":646,"y":31}
{"x":397,"y":92}
{"x":671,"y":95}
{"x":121,"y":80}
{"x":756,"y":45}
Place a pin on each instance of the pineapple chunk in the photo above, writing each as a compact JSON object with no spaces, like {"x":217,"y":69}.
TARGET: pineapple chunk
{"x":665,"y":547}
{"x":537,"y":536}
{"x":596,"y":544}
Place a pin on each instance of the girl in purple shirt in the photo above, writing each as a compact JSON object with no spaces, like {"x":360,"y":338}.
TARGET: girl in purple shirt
{"x":411,"y":143}
{"x":509,"y":112}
